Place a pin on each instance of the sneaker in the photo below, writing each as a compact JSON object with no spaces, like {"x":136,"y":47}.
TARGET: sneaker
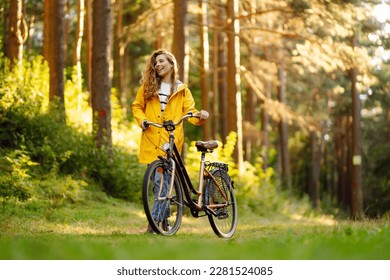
{"x":165,"y":225}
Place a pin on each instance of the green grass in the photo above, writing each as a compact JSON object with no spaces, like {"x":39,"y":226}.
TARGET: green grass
{"x":112,"y":229}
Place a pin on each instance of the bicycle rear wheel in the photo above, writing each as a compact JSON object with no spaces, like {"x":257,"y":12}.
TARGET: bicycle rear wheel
{"x":165,"y":214}
{"x":223,"y":220}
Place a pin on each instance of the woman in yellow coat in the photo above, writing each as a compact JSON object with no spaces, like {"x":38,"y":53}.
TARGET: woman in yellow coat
{"x":160,"y":98}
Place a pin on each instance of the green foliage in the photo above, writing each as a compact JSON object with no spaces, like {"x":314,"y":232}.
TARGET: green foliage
{"x":22,"y":93}
{"x":376,"y":147}
{"x":60,"y":149}
{"x":25,"y":88}
{"x":119,"y":174}
{"x":64,"y":156}
{"x":223,"y":154}
{"x":57,"y":190}
{"x":14,"y":178}
{"x":78,"y":111}
{"x":377,"y":182}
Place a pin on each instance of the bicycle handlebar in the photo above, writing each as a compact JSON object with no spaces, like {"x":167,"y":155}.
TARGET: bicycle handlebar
{"x":169,"y":124}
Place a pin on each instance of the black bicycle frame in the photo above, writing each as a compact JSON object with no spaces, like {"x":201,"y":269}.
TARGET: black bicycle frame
{"x":183,"y":176}
{"x":185,"y":182}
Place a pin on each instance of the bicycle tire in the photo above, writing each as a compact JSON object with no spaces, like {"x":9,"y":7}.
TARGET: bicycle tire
{"x":173,"y":206}
{"x":223,"y":220}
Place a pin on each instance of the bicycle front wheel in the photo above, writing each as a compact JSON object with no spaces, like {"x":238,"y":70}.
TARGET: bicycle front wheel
{"x":163,"y":207}
{"x":223,"y":219}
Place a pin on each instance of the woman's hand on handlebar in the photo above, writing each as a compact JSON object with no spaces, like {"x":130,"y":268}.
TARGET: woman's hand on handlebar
{"x":144,"y":124}
{"x":203,"y":115}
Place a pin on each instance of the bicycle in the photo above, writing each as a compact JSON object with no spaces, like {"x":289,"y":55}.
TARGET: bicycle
{"x":166,"y":180}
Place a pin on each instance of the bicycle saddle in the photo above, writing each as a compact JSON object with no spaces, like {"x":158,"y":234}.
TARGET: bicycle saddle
{"x":204,"y":146}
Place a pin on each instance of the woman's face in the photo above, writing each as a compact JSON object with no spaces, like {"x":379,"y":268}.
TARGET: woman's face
{"x":162,"y":66}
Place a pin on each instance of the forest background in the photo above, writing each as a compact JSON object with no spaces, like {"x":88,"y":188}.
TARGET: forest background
{"x":298,"y":94}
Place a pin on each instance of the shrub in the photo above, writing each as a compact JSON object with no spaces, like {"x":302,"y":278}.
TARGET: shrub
{"x":119,"y":174}
{"x":14,"y":179}
{"x":64,"y":154}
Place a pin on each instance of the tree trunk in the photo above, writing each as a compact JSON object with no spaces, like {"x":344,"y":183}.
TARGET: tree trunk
{"x":348,"y":164}
{"x":111,"y":41}
{"x":388,"y":125}
{"x":265,"y":142}
{"x":231,"y":68}
{"x":16,"y":32}
{"x":215,"y":74}
{"x":121,"y":48}
{"x":78,"y":40}
{"x":264,"y":124}
{"x":223,"y":88}
{"x":30,"y":33}
{"x":220,"y":76}
{"x":251,"y":133}
{"x":88,"y":35}
{"x":234,"y":80}
{"x":314,"y":187}
{"x":46,"y":29}
{"x":67,"y":10}
{"x":101,"y":87}
{"x":204,"y":64}
{"x":158,"y":23}
{"x":356,"y":179}
{"x":179,"y":47}
{"x":283,"y":130}
{"x":338,"y":158}
{"x":54,"y":52}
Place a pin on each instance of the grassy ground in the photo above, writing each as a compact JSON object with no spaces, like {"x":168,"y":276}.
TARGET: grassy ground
{"x":113,"y":229}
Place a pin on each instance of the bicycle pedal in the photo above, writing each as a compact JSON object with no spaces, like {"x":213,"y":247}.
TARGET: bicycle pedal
{"x":222,"y":214}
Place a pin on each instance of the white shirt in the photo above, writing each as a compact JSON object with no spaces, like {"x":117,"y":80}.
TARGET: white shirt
{"x":163,"y":93}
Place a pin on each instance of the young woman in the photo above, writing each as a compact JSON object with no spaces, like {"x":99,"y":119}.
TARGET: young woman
{"x":162,"y":97}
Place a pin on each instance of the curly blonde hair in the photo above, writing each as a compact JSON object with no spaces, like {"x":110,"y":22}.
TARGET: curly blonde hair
{"x":151,"y":80}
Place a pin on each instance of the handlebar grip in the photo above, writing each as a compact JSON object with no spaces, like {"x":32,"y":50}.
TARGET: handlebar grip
{"x":145,"y":124}
{"x":192,"y":115}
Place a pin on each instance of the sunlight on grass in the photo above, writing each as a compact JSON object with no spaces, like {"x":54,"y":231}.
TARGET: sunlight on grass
{"x":114,"y":229}
{"x":80,"y":228}
{"x":323,"y":220}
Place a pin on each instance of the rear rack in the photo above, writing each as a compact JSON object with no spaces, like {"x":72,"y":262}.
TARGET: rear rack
{"x":221,"y":165}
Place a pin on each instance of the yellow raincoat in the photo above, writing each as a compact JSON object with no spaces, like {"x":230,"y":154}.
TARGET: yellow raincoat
{"x":180,"y":103}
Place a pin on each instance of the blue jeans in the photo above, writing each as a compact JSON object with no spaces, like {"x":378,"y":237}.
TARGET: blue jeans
{"x":160,"y":210}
